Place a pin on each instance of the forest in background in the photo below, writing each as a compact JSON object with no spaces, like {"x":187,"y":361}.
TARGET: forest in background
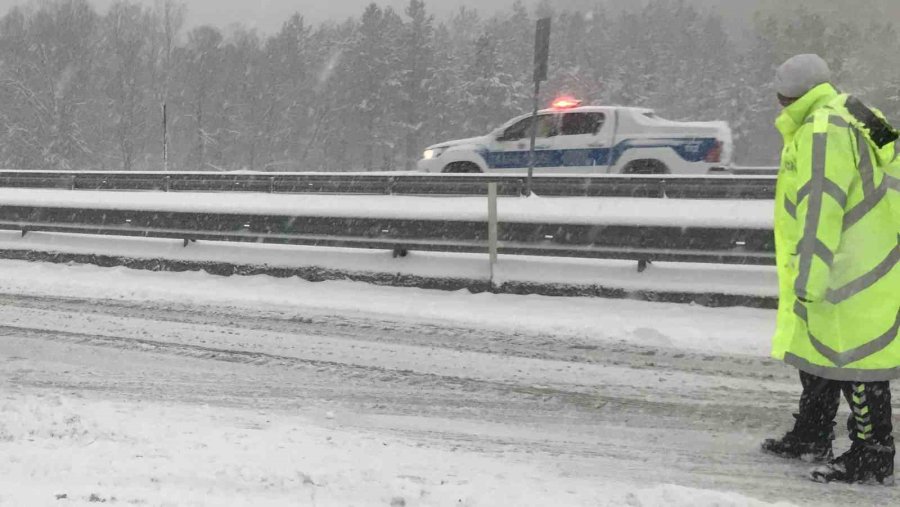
{"x":83,"y":90}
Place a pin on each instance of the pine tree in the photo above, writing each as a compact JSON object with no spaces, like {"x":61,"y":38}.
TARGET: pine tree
{"x":371,"y":83}
{"x":201,"y":66}
{"x":289,"y":94}
{"x":127,"y":55}
{"x":417,"y":77}
{"x":242,"y":142}
{"x":490,"y":94}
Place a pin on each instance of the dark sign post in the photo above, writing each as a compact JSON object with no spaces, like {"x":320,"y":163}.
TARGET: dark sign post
{"x":165,"y":135}
{"x":541,"y":58}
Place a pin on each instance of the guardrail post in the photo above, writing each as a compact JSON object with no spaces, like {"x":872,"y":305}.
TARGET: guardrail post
{"x":271,"y":184}
{"x":72,"y":182}
{"x":492,"y":227}
{"x":167,"y":181}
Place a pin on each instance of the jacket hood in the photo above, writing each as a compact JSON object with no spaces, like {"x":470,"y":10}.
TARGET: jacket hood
{"x":795,"y":114}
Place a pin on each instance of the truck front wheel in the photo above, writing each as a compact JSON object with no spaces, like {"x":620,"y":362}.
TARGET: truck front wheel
{"x":461,"y":167}
{"x":645,"y":167}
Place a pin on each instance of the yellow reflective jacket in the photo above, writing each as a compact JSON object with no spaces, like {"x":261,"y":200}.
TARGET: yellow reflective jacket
{"x":837,"y":242}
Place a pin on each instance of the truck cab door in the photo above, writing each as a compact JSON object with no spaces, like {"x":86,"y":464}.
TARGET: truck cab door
{"x":585,"y":142}
{"x":510,"y":150}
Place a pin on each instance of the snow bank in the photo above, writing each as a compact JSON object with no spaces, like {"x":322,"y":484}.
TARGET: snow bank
{"x":57,"y":450}
{"x":570,"y":210}
{"x":731,"y":330}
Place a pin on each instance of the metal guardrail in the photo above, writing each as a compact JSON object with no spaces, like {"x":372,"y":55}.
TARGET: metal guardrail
{"x":641,"y":243}
{"x":647,"y":186}
{"x":752,"y":171}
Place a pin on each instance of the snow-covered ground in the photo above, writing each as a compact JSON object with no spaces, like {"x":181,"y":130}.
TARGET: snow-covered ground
{"x":738,"y":330}
{"x":65,"y":450}
{"x":141,"y":388}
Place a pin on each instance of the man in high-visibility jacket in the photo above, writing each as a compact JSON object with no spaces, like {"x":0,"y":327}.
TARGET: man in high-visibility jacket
{"x":837,"y":242}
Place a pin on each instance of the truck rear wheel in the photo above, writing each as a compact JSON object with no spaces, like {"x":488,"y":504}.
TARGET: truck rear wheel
{"x":645,"y":167}
{"x":461,"y":167}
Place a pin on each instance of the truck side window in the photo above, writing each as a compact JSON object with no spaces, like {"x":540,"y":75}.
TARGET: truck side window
{"x":546,"y":127}
{"x":576,"y":124}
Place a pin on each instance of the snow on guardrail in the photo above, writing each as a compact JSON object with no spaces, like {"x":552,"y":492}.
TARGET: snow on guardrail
{"x":755,"y":214}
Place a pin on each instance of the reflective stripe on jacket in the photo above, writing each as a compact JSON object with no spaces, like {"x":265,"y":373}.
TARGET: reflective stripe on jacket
{"x":837,"y":240}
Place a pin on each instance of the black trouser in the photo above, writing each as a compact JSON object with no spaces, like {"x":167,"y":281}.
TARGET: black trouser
{"x":870,"y":406}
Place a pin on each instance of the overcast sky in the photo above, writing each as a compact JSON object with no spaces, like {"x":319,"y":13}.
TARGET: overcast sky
{"x":268,"y":15}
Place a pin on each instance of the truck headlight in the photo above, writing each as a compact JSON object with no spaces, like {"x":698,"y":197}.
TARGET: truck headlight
{"x":433,"y":153}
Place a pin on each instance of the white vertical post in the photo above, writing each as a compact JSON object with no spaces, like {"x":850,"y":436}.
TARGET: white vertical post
{"x":492,"y":226}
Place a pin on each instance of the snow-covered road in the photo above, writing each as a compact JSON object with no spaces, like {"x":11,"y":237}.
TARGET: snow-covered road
{"x":188,"y":389}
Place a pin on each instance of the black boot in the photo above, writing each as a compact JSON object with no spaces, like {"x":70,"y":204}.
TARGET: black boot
{"x":802,"y":447}
{"x":863,"y":463}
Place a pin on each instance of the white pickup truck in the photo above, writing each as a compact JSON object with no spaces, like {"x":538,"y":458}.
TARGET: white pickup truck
{"x":588,"y":139}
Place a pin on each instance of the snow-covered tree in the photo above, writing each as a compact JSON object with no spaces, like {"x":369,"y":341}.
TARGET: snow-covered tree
{"x":417,"y":75}
{"x":79,"y":90}
{"x":201,"y":70}
{"x":48,"y":57}
{"x":128,"y":60}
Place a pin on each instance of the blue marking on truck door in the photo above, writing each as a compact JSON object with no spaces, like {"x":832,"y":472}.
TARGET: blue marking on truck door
{"x":690,"y":150}
{"x":547,"y":158}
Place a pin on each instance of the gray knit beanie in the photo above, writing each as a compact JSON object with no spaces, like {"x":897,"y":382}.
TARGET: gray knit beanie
{"x":801,"y":74}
